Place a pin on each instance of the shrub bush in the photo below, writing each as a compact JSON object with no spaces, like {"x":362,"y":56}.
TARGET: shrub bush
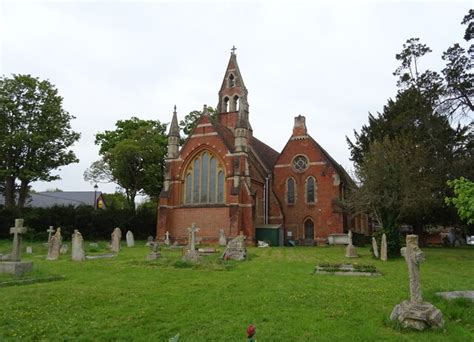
{"x":93,"y":224}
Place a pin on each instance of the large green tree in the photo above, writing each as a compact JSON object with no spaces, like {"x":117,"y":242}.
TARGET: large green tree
{"x":132,"y":156}
{"x":35,"y":135}
{"x":409,"y":188}
{"x":463,"y":198}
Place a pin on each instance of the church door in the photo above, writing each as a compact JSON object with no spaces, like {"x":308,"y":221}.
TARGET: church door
{"x":309,"y":229}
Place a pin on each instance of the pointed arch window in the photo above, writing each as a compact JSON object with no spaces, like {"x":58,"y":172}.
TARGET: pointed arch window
{"x":236,"y":102}
{"x":225,"y":105}
{"x":204,"y":180}
{"x":290,"y":191}
{"x":311,"y":190}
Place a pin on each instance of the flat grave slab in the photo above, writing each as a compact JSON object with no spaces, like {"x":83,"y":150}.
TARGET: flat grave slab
{"x":347,"y":270}
{"x":456,"y":294}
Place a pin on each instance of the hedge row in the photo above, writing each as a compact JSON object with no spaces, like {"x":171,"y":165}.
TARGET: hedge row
{"x":93,"y":224}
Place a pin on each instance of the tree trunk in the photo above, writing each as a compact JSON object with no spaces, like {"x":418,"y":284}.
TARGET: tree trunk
{"x":418,"y":230}
{"x":23,"y":193}
{"x":9,"y":192}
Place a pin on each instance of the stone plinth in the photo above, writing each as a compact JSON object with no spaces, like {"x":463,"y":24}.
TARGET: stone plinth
{"x":351,"y":252}
{"x":191,"y":256}
{"x":417,"y":316}
{"x":16,"y":268}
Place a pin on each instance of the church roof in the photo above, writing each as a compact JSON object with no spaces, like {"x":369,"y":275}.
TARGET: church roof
{"x":266,"y":154}
{"x":225,"y":133}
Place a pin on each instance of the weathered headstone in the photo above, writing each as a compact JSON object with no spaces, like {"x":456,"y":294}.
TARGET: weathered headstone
{"x":191,"y":254}
{"x":236,"y":249}
{"x":130,"y":239}
{"x":29,"y":250}
{"x":149,"y":240}
{"x":222,"y":238}
{"x":54,"y":245}
{"x":375,"y":247}
{"x":415,"y":313}
{"x":78,"y":253}
{"x":64,"y":248}
{"x":167,"y":238}
{"x":116,"y":237}
{"x":154,"y":251}
{"x":383,"y":248}
{"x":12,"y":263}
{"x":351,"y":251}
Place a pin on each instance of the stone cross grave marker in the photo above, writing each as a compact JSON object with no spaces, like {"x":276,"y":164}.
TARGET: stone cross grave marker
{"x":191,"y":254}
{"x":351,"y":251}
{"x":192,"y":236}
{"x":17,"y":231}
{"x":415,"y":313}
{"x":167,"y":238}
{"x":413,"y":256}
{"x":50,"y":231}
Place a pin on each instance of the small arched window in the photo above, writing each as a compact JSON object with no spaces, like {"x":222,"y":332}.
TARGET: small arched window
{"x":290,"y":191}
{"x":231,"y":80}
{"x":204,"y":180}
{"x":225,"y":105}
{"x":236,"y":103}
{"x":310,"y":190}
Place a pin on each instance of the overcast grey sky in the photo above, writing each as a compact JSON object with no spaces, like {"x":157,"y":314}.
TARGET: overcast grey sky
{"x":330,"y":61}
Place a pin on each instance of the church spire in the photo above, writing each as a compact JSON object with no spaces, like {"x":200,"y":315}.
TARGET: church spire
{"x":174,"y":128}
{"x":232,"y":95}
{"x":173,"y":137}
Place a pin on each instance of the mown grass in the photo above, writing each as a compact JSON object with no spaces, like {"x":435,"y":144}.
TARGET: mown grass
{"x":130,"y":299}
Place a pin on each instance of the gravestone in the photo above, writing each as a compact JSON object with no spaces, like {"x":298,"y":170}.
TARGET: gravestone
{"x":64,"y":248}
{"x":375,"y":247}
{"x":29,"y":250}
{"x":167,"y":238}
{"x":190,"y":253}
{"x":50,"y":231}
{"x":78,"y":253}
{"x":115,"y":244}
{"x":154,"y":251}
{"x":236,"y":249}
{"x":12,"y":263}
{"x":101,"y":256}
{"x":415,"y":313}
{"x":149,"y":240}
{"x":54,"y":245}
{"x":93,"y":245}
{"x":383,"y":248}
{"x":130,"y":239}
{"x":351,"y":251}
{"x":222,"y":238}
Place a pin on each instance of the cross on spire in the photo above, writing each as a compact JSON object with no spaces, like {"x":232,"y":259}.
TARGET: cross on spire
{"x":233,"y":49}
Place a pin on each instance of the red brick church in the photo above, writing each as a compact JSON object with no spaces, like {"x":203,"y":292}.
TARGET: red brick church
{"x":223,"y":177}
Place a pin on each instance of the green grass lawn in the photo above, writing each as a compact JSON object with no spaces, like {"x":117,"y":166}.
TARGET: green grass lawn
{"x":128,"y":298}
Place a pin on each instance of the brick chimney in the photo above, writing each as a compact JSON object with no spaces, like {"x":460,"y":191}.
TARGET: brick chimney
{"x":300,"y":126}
